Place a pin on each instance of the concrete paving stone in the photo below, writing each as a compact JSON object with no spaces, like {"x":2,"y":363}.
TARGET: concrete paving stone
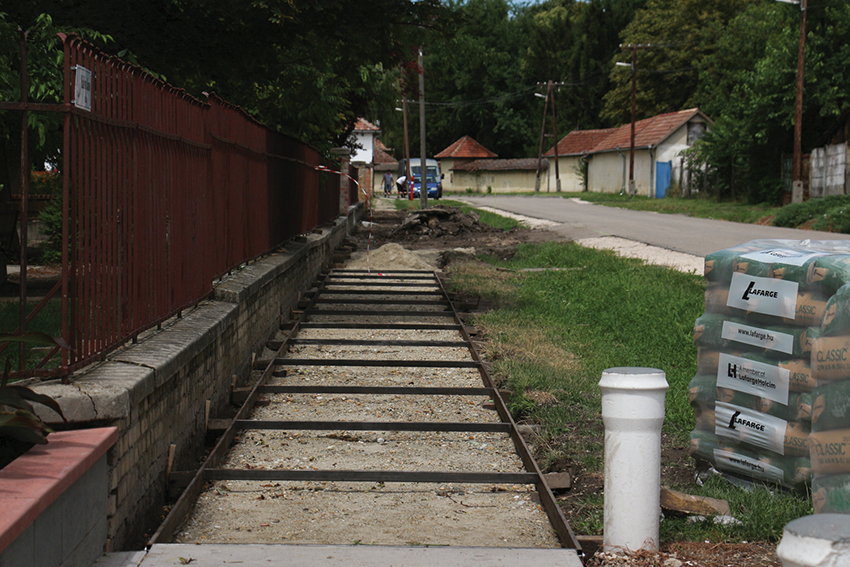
{"x":120,"y":559}
{"x":76,"y":406}
{"x":256,"y":555}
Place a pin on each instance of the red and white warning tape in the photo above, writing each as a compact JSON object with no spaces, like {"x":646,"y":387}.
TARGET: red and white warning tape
{"x":368,"y":204}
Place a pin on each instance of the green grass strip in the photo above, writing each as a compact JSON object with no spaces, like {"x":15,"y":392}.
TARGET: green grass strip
{"x":554,"y":330}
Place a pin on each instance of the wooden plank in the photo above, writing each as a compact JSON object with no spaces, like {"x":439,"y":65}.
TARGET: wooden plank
{"x":384,"y":326}
{"x":378,"y":313}
{"x":345,"y":301}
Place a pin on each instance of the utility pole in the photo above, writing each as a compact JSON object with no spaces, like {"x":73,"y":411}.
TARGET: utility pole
{"x":632,"y":139}
{"x":634,"y":47}
{"x":407,"y":179}
{"x":550,"y":93}
{"x":633,"y":67}
{"x":423,"y":171}
{"x":797,"y":175}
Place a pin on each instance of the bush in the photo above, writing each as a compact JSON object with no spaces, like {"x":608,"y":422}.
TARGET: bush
{"x":794,"y":215}
{"x":48,"y":183}
{"x":767,"y":191}
{"x":836,"y":219}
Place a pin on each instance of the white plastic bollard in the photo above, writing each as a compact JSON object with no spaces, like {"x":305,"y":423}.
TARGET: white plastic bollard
{"x":633,"y":412}
{"x":822,"y":540}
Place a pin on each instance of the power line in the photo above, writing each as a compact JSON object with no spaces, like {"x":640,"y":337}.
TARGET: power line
{"x":512,"y":95}
{"x":500,"y":98}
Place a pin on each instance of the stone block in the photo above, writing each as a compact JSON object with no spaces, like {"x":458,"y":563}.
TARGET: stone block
{"x":689,"y":504}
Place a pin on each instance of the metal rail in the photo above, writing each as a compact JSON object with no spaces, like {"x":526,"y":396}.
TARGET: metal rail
{"x":211,"y":469}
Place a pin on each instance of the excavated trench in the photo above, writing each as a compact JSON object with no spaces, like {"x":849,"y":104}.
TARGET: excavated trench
{"x":373,"y":422}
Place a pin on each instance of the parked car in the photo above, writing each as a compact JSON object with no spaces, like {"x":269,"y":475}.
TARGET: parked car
{"x":433,"y":177}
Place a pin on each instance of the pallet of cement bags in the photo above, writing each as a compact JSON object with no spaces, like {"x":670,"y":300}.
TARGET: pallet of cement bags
{"x":776,"y":320}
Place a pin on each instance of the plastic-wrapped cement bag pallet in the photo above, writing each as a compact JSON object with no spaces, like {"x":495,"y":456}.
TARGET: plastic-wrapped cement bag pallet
{"x":753,"y":392}
{"x":829,"y":441}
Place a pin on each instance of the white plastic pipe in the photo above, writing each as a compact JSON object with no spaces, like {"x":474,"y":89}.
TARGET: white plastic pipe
{"x":633,"y":412}
{"x":822,"y":540}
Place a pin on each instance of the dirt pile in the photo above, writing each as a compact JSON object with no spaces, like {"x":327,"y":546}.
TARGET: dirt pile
{"x":442,"y":228}
{"x":390,"y":256}
{"x":439,"y":221}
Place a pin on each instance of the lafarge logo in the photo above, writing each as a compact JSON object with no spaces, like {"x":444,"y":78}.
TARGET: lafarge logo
{"x":763,"y":295}
{"x":737,"y":420}
{"x":752,"y":290}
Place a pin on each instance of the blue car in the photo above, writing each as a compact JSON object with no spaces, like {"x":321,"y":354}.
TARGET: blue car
{"x":435,"y":188}
{"x":433,"y":178}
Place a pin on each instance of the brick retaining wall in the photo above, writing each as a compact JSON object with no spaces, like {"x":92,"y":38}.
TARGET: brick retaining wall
{"x":155,"y":391}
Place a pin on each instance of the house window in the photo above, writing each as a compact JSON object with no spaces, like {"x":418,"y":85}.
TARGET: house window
{"x":695,"y":132}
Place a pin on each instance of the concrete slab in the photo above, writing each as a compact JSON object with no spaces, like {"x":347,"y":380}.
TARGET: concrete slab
{"x":120,"y":559}
{"x":257,"y":555}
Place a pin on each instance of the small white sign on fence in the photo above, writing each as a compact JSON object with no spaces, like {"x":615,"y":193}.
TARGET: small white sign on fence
{"x":82,"y":88}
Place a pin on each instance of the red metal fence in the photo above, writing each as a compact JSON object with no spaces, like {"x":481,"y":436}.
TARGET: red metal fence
{"x":163,"y":194}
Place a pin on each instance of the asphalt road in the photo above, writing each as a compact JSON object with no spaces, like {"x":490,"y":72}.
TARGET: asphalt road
{"x":674,"y":232}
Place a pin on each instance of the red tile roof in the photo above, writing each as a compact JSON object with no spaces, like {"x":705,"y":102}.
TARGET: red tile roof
{"x":579,"y":142}
{"x":363,"y":125}
{"x":466,"y":147}
{"x":381,"y":157}
{"x":648,"y":132}
{"x":501,"y":165}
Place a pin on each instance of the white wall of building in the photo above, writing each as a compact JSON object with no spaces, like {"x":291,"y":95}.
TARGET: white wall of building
{"x":570,"y":180}
{"x":364,"y":155}
{"x":496,"y":181}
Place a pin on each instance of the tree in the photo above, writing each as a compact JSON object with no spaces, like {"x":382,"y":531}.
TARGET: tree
{"x":573,"y":42}
{"x":482,"y":79}
{"x":749,"y":85}
{"x":474,"y":79}
{"x":45,"y":69}
{"x":745,"y":95}
{"x":682,"y":33}
{"x":301,"y":67}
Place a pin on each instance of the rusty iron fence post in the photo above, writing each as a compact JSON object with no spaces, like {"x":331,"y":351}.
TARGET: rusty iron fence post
{"x":25,"y":178}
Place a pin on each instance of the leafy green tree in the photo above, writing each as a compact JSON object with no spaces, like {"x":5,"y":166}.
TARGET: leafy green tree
{"x":474,"y":79}
{"x":746,"y":94}
{"x":573,"y":42}
{"x":483,"y":77}
{"x":44,"y":85}
{"x":749,"y":85}
{"x":301,"y":67}
{"x":45,"y":70}
{"x":680,"y":33}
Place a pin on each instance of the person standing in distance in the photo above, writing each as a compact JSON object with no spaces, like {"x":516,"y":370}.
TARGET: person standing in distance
{"x":388,"y":184}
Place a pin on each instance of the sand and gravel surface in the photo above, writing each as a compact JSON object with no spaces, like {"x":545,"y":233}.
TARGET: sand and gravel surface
{"x":411,"y":513}
{"x":454,"y":514}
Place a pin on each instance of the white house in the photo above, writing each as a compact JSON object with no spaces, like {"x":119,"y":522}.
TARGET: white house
{"x":658,"y":161}
{"x":462,"y":151}
{"x":364,"y":135}
{"x":572,"y":150}
{"x":497,"y":175}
